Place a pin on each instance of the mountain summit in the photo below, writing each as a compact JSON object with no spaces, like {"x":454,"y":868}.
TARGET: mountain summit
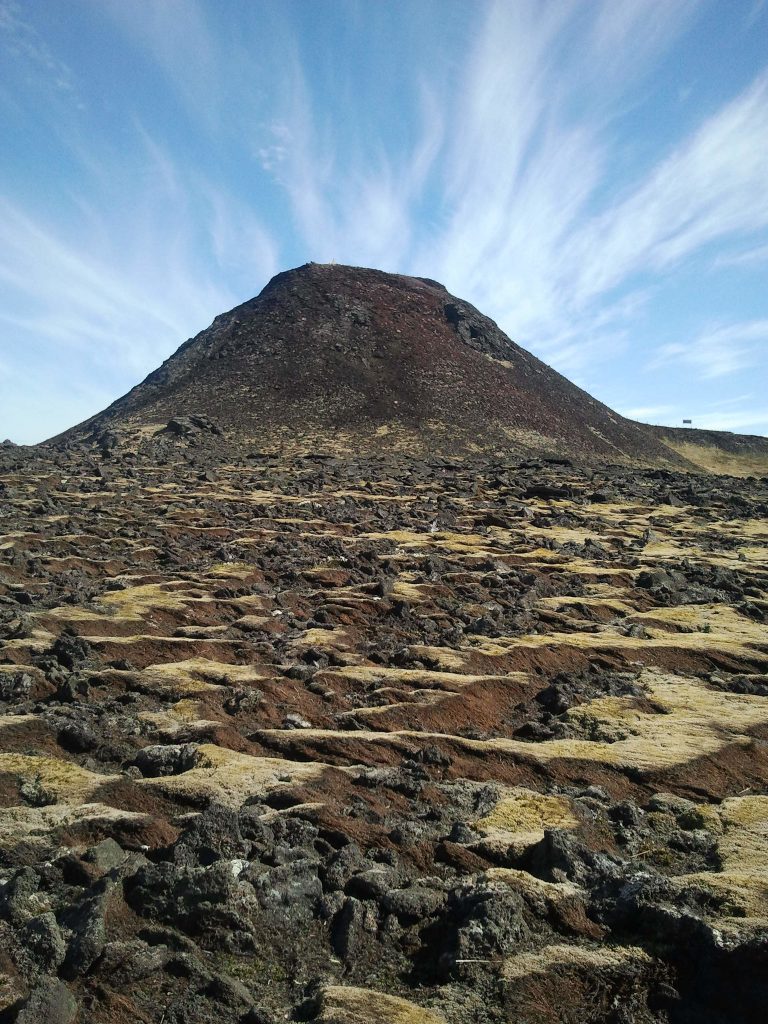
{"x":351,"y":357}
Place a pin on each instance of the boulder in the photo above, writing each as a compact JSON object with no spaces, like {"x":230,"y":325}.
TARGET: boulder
{"x":50,"y":1002}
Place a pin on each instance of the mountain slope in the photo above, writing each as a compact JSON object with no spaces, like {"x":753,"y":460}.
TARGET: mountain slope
{"x":329,"y":349}
{"x":352,"y":357}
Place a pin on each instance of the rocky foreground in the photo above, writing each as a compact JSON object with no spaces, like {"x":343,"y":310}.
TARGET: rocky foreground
{"x":387,"y":740}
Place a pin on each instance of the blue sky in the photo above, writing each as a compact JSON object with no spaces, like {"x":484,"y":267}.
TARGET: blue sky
{"x":591,"y":173}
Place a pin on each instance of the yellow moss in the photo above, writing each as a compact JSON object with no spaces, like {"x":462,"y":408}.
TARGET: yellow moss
{"x":199,"y":675}
{"x":251,"y":603}
{"x":420,"y":698}
{"x":249,"y":622}
{"x":152,"y":638}
{"x":727,"y":631}
{"x":532,"y":439}
{"x":561,"y":956}
{"x":412,"y":592}
{"x":60,"y":778}
{"x":710,"y":818}
{"x":444,"y":540}
{"x":613,"y":605}
{"x":231,"y":777}
{"x":521,"y":815}
{"x":231,"y":570}
{"x":444,"y":657}
{"x":742,"y":881}
{"x":140,"y":601}
{"x":11,"y":721}
{"x":697,"y":722}
{"x":36,"y":823}
{"x":367,"y":495}
{"x":69,"y":613}
{"x":337,"y":639}
{"x":187,"y":710}
{"x":575,"y":566}
{"x":563,"y":535}
{"x":723,"y":625}
{"x":39,"y":641}
{"x":347,"y":1005}
{"x":451,"y":682}
{"x":757,"y":528}
{"x":521,"y":881}
{"x":187,"y":714}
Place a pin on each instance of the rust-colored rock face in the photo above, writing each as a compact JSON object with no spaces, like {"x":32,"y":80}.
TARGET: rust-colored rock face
{"x":357,"y":356}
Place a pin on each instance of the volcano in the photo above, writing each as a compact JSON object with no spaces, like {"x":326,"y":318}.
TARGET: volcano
{"x":335,"y":353}
{"x":354,"y":359}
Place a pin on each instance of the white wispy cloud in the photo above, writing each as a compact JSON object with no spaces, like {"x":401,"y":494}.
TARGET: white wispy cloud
{"x":753,"y":13}
{"x":649,"y":413}
{"x":117,"y":288}
{"x":740,"y":401}
{"x":519,"y":226}
{"x":23,"y":43}
{"x":504,"y":184}
{"x":517,"y":173}
{"x":348,"y":211}
{"x":529,"y":242}
{"x":123,"y":308}
{"x":176,"y":36}
{"x":744,"y":421}
{"x":272,"y":153}
{"x":710,"y":187}
{"x":745,"y":418}
{"x":752,"y":257}
{"x":526,"y":227}
{"x":720,"y":351}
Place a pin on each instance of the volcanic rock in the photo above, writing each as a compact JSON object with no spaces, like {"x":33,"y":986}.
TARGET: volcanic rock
{"x":344,"y":358}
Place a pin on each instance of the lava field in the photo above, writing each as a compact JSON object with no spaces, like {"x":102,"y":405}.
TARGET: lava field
{"x":380,"y":739}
